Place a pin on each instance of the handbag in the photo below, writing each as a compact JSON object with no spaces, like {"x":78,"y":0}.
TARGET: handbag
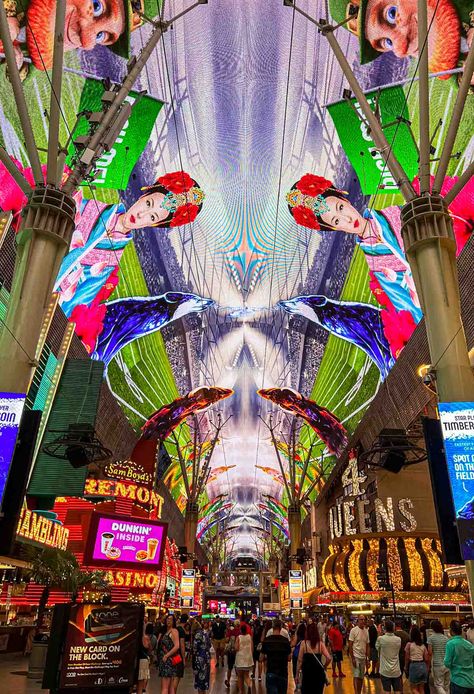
{"x":326,"y":681}
{"x":176,"y":659}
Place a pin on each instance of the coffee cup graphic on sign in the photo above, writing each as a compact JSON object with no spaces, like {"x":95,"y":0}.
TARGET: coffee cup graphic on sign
{"x":152,"y":545}
{"x":106,"y":542}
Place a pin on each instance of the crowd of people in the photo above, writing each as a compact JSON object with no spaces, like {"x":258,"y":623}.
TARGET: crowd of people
{"x":431,"y":660}
{"x":258,"y":649}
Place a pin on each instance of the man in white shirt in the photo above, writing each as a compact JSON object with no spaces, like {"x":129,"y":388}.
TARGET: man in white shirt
{"x":283,"y":632}
{"x":359,"y":652}
{"x":388,"y":647}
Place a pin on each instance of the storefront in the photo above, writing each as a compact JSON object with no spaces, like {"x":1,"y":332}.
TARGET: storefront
{"x":375,"y":518}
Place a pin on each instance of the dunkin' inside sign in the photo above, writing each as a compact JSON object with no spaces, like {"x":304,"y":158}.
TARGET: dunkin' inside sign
{"x":120,"y":541}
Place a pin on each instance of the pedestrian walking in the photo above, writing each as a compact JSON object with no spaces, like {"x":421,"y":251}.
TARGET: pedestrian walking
{"x":416,"y":661}
{"x":257,"y":647}
{"x":311,"y":671}
{"x":296,"y":641}
{"x":202,"y":658}
{"x":359,"y":652}
{"x":388,"y":649}
{"x":470,"y":631}
{"x":276,"y":649}
{"x":459,"y":659}
{"x":143,"y":663}
{"x":373,"y":653}
{"x":232,"y":632}
{"x":218,"y":639}
{"x":437,"y":651}
{"x":243,"y":659}
{"x":169,"y":657}
{"x":336,"y":643}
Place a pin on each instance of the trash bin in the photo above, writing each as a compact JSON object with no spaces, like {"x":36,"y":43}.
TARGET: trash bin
{"x":37,"y":660}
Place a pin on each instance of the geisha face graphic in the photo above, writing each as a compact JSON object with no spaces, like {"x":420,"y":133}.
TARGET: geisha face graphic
{"x":145,"y":212}
{"x":342,"y":216}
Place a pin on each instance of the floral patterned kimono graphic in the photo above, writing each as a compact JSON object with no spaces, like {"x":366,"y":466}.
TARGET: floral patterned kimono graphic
{"x":315,"y":203}
{"x":202,"y":660}
{"x":95,"y":252}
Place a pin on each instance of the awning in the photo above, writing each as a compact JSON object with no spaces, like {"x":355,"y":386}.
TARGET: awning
{"x":311,"y":596}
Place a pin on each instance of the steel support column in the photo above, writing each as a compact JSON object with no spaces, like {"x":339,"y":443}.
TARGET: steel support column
{"x":294,"y":524}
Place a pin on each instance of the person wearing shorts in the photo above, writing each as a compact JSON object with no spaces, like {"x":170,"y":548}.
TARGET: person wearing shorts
{"x":336,"y":642}
{"x":218,"y":639}
{"x":359,"y":652}
{"x":388,"y":654}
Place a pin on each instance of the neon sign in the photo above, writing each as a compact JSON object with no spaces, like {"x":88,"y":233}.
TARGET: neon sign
{"x":43,"y":531}
{"x":127,"y":470}
{"x":125,"y":490}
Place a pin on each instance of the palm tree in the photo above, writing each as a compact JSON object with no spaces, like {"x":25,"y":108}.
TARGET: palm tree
{"x":54,"y":568}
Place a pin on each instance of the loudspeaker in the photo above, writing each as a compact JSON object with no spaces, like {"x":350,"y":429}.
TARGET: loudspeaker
{"x":76,"y":454}
{"x":394,"y":459}
{"x":443,"y":500}
{"x":17,"y":480}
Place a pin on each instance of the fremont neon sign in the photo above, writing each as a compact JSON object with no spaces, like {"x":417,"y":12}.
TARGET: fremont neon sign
{"x":125,"y":490}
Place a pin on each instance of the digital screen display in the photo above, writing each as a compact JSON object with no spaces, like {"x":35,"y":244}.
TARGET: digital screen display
{"x":243,"y":229}
{"x":129,"y":542}
{"x":11,"y":408}
{"x":457,"y":422}
{"x":101,"y":646}
{"x":187,"y":587}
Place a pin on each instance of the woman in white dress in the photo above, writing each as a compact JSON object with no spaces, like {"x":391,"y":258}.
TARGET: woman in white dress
{"x":243,"y":659}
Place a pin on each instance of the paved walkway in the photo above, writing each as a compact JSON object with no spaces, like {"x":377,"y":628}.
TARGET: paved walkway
{"x":13,"y":680}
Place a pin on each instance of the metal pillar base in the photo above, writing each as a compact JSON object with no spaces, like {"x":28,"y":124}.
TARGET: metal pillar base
{"x":294,"y":525}
{"x":43,"y":240}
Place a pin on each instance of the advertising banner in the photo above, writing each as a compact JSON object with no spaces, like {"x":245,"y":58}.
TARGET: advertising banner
{"x":120,"y":541}
{"x":296,"y":588}
{"x":11,"y":408}
{"x":457,"y":422}
{"x":187,"y":588}
{"x":359,"y":146}
{"x":113,"y":168}
{"x":101,"y":646}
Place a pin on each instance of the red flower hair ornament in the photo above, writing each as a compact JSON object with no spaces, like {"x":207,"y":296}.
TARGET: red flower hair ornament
{"x":312,"y":185}
{"x":306,"y":202}
{"x":183,"y":198}
{"x":177,"y":182}
{"x":185,"y":214}
{"x":305,"y":217}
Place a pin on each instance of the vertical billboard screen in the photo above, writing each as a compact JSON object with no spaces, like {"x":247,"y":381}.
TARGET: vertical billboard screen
{"x":457,"y":421}
{"x":187,"y":588}
{"x":296,"y":589}
{"x":101,"y":647}
{"x":11,"y":408}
